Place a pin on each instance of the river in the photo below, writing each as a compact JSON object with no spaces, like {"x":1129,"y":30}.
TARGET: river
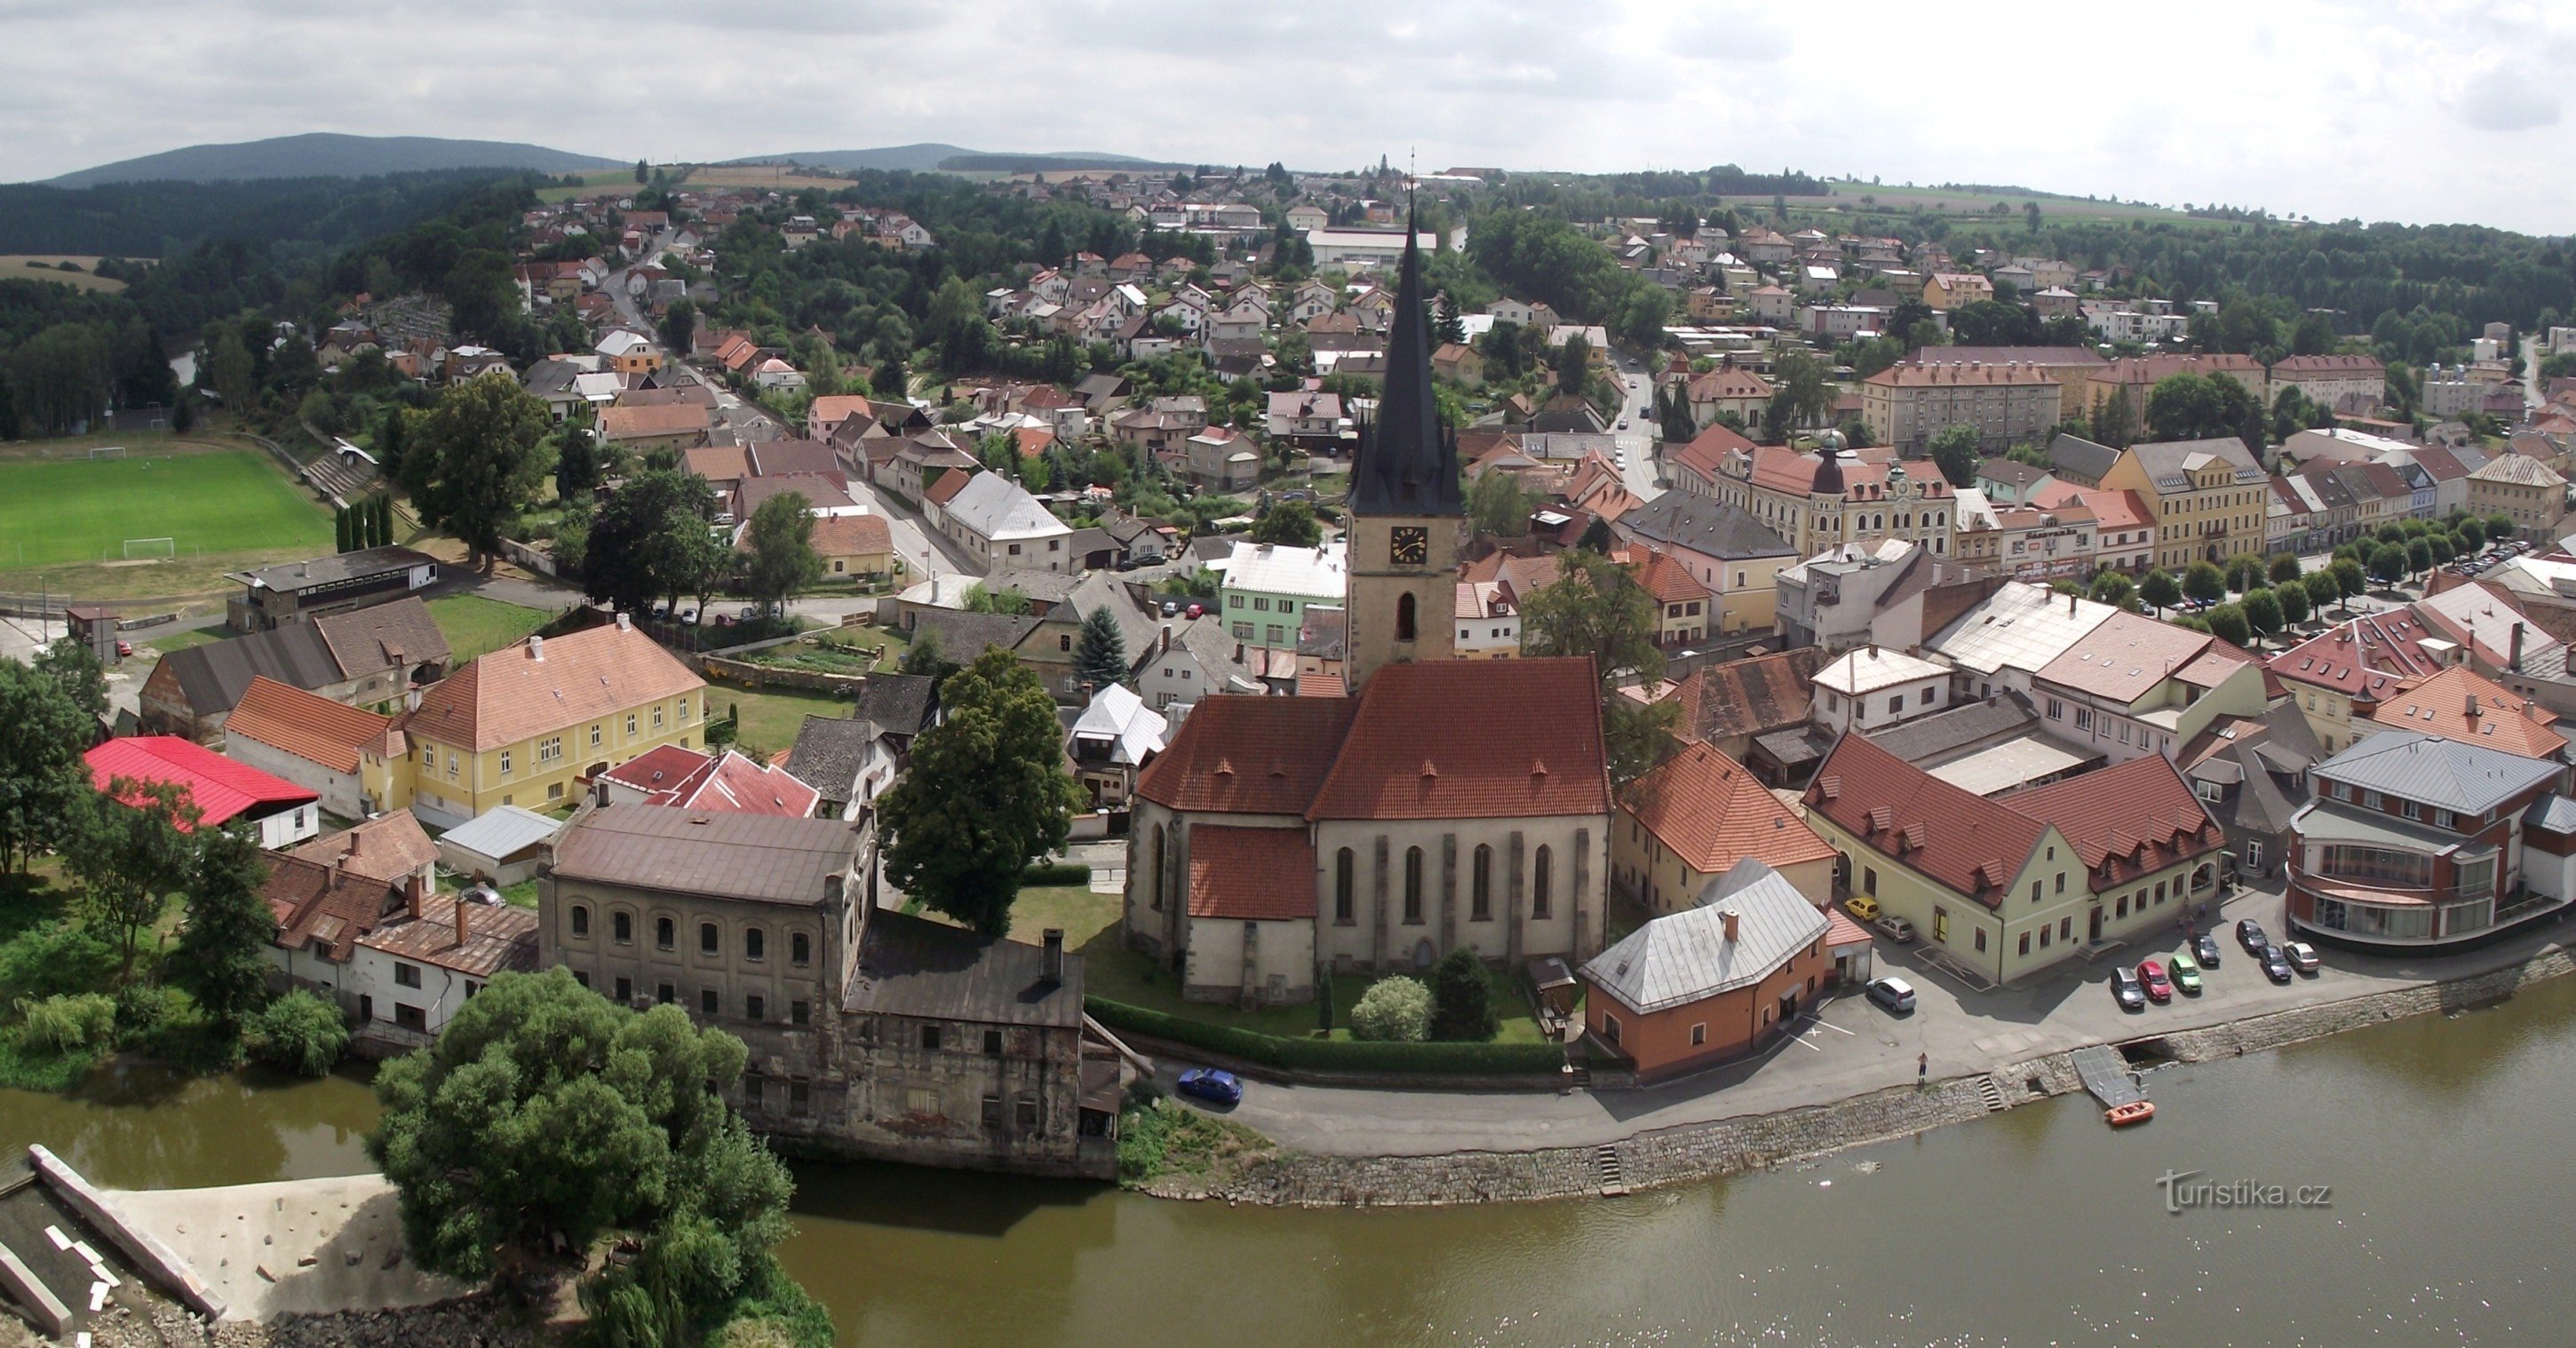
{"x":2441,"y":1140}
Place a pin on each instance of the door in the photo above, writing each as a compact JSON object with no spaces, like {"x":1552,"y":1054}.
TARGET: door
{"x":2093,"y":927}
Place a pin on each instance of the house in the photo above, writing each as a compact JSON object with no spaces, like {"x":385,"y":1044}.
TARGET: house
{"x":1253,"y":826}
{"x":324,"y":901}
{"x":1221,"y":458}
{"x":412,"y":970}
{"x":501,"y":847}
{"x":1728,"y":388}
{"x":1459,"y":363}
{"x":2340,"y":676}
{"x":1721,"y":545}
{"x":1872,"y":689}
{"x":1713,"y":981}
{"x":1309,"y":420}
{"x":2208,"y":498}
{"x":355,"y":762}
{"x":1113,"y":738}
{"x":292,"y":592}
{"x":2135,"y":377}
{"x":371,"y":657}
{"x":1944,"y":291}
{"x":1489,"y":620}
{"x":1003,"y":526}
{"x":1832,"y":599}
{"x":1825,"y":498}
{"x":2461,"y":704}
{"x":723,"y":783}
{"x":1266,"y":587}
{"x":2328,"y":380}
{"x":2418,"y":844}
{"x":1192,"y":660}
{"x":676,"y":425}
{"x":2520,"y":488}
{"x":278,"y":812}
{"x":1735,"y":706}
{"x":2252,"y":773}
{"x":858,"y":547}
{"x":1698,"y":815}
{"x":1684,"y":607}
{"x":535,"y":719}
{"x":2005,"y":887}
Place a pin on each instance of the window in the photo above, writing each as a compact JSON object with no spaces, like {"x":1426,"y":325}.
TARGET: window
{"x":428,"y":756}
{"x":800,"y":1098}
{"x":1480,"y":905}
{"x":625,"y":991}
{"x":755,"y":944}
{"x":1941,"y":925}
{"x":708,"y":1001}
{"x":2211,"y":792}
{"x":930,"y":1039}
{"x":1610,"y":1027}
{"x":581,"y":919}
{"x":800,"y":949}
{"x":666,"y":994}
{"x":1413,"y":886}
{"x":1699,"y":1034}
{"x":1404,"y":617}
{"x":1343,"y":865}
{"x":2025,"y":940}
{"x":407,"y":975}
{"x":1260,"y":604}
{"x":796,"y":1013}
{"x":1981,"y":940}
{"x":755,"y":1008}
{"x":1026,"y":1112}
{"x":550,"y":749}
{"x":665,"y":935}
{"x":630,"y":725}
{"x":709,"y":941}
{"x":992,"y":1043}
{"x":657,"y":718}
{"x":2061,"y":882}
{"x":1234,"y":601}
{"x":1243,"y":631}
{"x":621,"y":928}
{"x":2034,"y":891}
{"x":1064,"y":641}
{"x":1541,"y":867}
{"x":505,"y":762}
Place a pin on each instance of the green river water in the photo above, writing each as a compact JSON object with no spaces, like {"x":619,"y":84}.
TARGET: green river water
{"x":2444,"y":1142}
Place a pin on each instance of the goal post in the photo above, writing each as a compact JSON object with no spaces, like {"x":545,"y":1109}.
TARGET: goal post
{"x":107,"y":451}
{"x":165,"y":549}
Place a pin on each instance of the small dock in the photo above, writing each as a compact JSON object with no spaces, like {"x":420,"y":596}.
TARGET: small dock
{"x":2106,"y":1075}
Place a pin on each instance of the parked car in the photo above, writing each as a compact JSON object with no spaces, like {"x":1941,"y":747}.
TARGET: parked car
{"x":1896,"y":929}
{"x":2151,"y":976}
{"x":2125,"y":989}
{"x":1862,"y":907}
{"x":1892,"y":992}
{"x":2250,"y":934}
{"x":2276,"y":965}
{"x":2302,"y":956}
{"x":1212,"y":1084}
{"x":1171,"y":608}
{"x":2204,"y":948}
{"x":1197,"y":610}
{"x":2186,"y":974}
{"x":124,"y":649}
{"x":1623,"y":423}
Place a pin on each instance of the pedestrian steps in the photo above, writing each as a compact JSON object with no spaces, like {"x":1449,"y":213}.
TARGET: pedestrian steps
{"x":1582,"y":1078}
{"x":1993,"y":1095}
{"x":1614,"y":1181}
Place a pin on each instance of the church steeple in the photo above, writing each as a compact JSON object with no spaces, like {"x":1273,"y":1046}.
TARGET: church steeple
{"x":1407,"y":462}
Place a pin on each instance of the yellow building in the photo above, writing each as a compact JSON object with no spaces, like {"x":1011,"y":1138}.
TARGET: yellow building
{"x":1696,"y":817}
{"x":2208,"y":498}
{"x":525,"y":724}
{"x":2521,"y":488}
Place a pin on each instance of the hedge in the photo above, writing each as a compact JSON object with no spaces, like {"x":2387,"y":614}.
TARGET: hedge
{"x":1330,"y":1055}
{"x":1057,"y":873}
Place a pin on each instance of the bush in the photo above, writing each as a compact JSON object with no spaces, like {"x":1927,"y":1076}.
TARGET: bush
{"x":302,"y":1032}
{"x":69,"y":1023}
{"x":1394,"y":1010}
{"x":1057,"y":873}
{"x":58,"y":957}
{"x":1330,"y":1055}
{"x":1462,"y":1001}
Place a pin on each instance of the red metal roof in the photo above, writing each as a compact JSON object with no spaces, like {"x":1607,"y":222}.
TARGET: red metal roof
{"x":220,"y":788}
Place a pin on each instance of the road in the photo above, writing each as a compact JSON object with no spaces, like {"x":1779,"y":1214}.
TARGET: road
{"x":1638,"y":441}
{"x":749,"y":423}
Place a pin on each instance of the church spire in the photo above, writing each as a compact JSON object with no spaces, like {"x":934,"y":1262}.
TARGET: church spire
{"x":1407,"y":463}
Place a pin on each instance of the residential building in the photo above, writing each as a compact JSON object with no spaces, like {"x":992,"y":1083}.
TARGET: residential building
{"x":858,"y":547}
{"x":2208,"y":498}
{"x":1728,"y":388}
{"x":411,"y":971}
{"x":1002,"y":526}
{"x":1722,"y":546}
{"x":2417,"y":844}
{"x":528,"y":723}
{"x":1685,"y":608}
{"x":1754,"y":710}
{"x":1267,"y":585}
{"x":291,"y":592}
{"x":2522,"y":489}
{"x":2073,"y":367}
{"x":1489,"y":620}
{"x":2340,"y":676}
{"x":278,"y":812}
{"x":1944,"y":291}
{"x":1114,"y":737}
{"x":370,"y":657}
{"x":2006,"y":887}
{"x":1872,"y":689}
{"x":2133,"y":686}
{"x":2137,"y":376}
{"x":718,"y":783}
{"x":657,"y":426}
{"x":1907,"y":405}
{"x":2123,"y":533}
{"x":1697,"y":816}
{"x":2329,"y":380}
{"x":1194,"y":658}
{"x":2252,"y":773}
{"x":2080,"y":462}
{"x":1695,"y":987}
{"x":356,"y":762}
{"x":1822,"y":499}
{"x":1830,"y":599}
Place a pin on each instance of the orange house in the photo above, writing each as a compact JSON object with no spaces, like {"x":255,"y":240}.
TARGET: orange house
{"x":1698,"y":987}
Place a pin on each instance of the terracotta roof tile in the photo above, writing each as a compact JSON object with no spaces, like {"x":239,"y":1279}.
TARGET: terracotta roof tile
{"x":2138,"y":817}
{"x":387,"y":847}
{"x":330,"y":904}
{"x":1248,"y":755}
{"x":1749,"y":697}
{"x":1712,"y":813}
{"x":1471,"y":739}
{"x":1966,"y":842}
{"x":512,"y":695}
{"x":2439,"y":706}
{"x":313,"y":728}
{"x":1251,"y":874}
{"x":851,"y":536}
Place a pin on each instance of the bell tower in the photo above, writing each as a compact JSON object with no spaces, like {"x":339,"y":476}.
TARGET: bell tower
{"x":1405,"y":504}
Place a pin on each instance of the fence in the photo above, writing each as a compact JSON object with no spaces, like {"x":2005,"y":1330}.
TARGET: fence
{"x":1331,"y":1055}
{"x":749,"y":675}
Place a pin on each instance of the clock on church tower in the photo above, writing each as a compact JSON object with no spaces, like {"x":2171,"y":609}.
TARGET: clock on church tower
{"x":1405,"y":506}
{"x":1408,"y":545}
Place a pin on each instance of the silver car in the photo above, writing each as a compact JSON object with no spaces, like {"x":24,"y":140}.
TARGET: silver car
{"x":1892,"y":992}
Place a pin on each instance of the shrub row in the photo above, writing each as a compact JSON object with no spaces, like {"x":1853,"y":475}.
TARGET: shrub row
{"x":1057,"y":873}
{"x":1330,"y":1055}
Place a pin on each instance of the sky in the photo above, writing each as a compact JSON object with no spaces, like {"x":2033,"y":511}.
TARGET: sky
{"x":2413,"y":110}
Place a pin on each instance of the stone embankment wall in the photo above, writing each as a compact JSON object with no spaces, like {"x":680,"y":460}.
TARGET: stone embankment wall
{"x":476,"y":1322}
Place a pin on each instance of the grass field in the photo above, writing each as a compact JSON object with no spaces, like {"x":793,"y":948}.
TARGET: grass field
{"x":230,"y":503}
{"x":474,"y":625}
{"x":47,"y":267}
{"x":771,"y":716}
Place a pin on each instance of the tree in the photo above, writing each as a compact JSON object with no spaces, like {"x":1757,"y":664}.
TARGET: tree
{"x":1395,"y":1009}
{"x":485,"y":447}
{"x":2115,"y":419}
{"x":2159,"y":590}
{"x":340,"y":530}
{"x":74,"y":669}
{"x":780,"y":538}
{"x":2500,"y":528}
{"x":2471,"y":531}
{"x":2205,"y":582}
{"x":2284,"y":568}
{"x":2204,"y":407}
{"x":2444,"y":550}
{"x":1595,"y":607}
{"x":2419,"y":556}
{"x":129,"y":847}
{"x":302,"y":1032}
{"x":2388,"y":563}
{"x":925,"y":658}
{"x":680,"y":327}
{"x":2262,"y":610}
{"x":2350,"y":580}
{"x":1291,"y":523}
{"x":2244,"y":573}
{"x":2227,"y":623}
{"x":638,"y":550}
{"x":2294,"y":601}
{"x":43,"y":731}
{"x":1462,"y":1007}
{"x":1500,"y":506}
{"x":546,"y":1113}
{"x":987,"y":792}
{"x":2323,"y":588}
{"x":223,"y":950}
{"x":2111,"y":587}
{"x":1955,"y":451}
{"x":1100,"y":657}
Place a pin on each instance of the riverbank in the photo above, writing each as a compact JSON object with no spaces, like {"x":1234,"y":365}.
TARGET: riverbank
{"x":479,"y":1320}
{"x":1680,"y":1155}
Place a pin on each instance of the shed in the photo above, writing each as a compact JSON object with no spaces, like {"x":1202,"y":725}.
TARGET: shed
{"x":502,"y":845}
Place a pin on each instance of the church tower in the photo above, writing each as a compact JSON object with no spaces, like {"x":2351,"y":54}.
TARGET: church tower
{"x":1405,"y":504}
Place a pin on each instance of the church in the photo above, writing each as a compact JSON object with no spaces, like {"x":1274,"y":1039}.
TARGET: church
{"x":1442,"y":803}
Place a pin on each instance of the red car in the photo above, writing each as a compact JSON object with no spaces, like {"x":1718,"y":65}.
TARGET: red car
{"x":2158,"y":983}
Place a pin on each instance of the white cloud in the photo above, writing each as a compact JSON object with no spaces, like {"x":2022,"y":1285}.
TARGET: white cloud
{"x":2403,"y":109}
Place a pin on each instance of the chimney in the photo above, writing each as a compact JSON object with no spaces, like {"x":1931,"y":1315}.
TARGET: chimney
{"x":462,"y":908}
{"x":1164,"y":643}
{"x":1728,"y":917}
{"x":415,"y":893}
{"x":536,"y":648}
{"x":2472,"y":709}
{"x":1051,"y":963}
{"x":2516,"y":666}
{"x":625,"y":623}
{"x":2070,"y":608}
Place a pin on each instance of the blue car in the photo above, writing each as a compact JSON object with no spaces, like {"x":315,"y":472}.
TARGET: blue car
{"x":1214,"y":1085}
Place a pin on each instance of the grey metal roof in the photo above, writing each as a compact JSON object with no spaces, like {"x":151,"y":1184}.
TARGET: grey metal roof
{"x":1685,"y":957}
{"x":829,"y":752}
{"x":912,"y":966}
{"x":899,"y":703}
{"x":500,"y":832}
{"x":2081,"y":457}
{"x":2332,"y":821}
{"x":213,"y":676}
{"x":304,"y":575}
{"x":1712,"y":528}
{"x":2553,"y":812}
{"x":2411,"y":765}
{"x":735,"y":856}
{"x":1951,"y":730}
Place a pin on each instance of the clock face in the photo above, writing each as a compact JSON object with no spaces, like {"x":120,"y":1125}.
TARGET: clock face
{"x":1408,"y":546}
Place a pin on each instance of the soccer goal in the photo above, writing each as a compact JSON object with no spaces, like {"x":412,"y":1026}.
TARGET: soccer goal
{"x":165,"y":549}
{"x":107,"y":452}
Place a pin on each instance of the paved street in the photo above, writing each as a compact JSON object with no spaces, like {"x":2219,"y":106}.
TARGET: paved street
{"x":1850,"y":1047}
{"x":1639,"y":465}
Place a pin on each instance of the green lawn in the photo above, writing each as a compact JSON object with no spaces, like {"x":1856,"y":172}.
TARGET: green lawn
{"x":185,"y":638}
{"x":772,"y":716}
{"x":474,"y":625}
{"x":1079,"y":913}
{"x":55,"y":512}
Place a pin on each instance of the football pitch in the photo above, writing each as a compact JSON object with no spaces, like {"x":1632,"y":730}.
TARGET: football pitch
{"x":57,"y":512}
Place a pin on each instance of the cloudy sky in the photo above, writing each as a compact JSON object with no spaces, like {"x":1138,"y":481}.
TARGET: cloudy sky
{"x":2416,"y":110}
